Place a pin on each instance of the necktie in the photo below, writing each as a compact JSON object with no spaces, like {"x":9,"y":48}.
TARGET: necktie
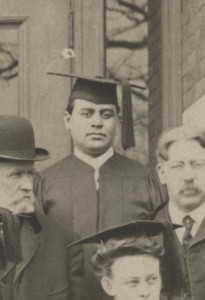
{"x":188,"y":224}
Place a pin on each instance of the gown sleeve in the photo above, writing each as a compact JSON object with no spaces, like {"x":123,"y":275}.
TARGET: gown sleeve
{"x":157,"y":191}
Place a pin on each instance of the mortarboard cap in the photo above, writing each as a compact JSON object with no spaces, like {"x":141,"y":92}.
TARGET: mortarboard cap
{"x":103,"y":91}
{"x":172,"y":276}
{"x":134,"y":228}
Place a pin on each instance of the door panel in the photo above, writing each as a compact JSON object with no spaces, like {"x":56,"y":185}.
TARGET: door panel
{"x":33,"y":35}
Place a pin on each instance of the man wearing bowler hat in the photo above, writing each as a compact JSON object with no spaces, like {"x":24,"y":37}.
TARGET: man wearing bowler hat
{"x":34,"y":260}
{"x":96,"y":188}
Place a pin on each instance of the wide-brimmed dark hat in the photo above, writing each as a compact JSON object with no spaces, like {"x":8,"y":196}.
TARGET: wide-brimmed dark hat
{"x":17,"y":140}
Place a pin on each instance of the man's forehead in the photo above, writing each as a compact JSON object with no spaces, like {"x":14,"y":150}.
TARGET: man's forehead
{"x":186,"y":149}
{"x":81,"y":104}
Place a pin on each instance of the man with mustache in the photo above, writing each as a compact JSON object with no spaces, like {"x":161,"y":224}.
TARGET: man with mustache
{"x":181,"y":167}
{"x":35,"y":262}
{"x":95,"y":187}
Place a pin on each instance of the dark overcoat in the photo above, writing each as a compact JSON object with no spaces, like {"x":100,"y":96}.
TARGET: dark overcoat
{"x":67,"y":192}
{"x":48,"y":270}
{"x":192,"y":261}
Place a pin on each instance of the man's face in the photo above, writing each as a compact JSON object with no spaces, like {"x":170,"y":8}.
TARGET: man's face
{"x":16,"y":186}
{"x":184,"y":174}
{"x":92,"y":126}
{"x":135,"y":277}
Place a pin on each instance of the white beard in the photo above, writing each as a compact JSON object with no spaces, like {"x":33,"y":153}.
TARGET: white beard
{"x":21,"y":204}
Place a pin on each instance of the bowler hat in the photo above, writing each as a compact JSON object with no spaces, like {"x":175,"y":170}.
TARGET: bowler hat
{"x":17,"y":140}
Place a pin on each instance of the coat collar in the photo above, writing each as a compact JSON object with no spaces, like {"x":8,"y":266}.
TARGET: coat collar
{"x":162,"y":213}
{"x":29,"y":243}
{"x":8,"y":268}
{"x":97,"y":162}
{"x":81,"y":166}
{"x":200,"y":235}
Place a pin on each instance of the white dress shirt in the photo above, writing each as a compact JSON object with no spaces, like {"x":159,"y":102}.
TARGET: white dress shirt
{"x":177,"y":216}
{"x":96,"y":162}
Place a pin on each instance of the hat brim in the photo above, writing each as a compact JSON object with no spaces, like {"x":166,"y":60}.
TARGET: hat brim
{"x":40,"y":154}
{"x":134,"y":228}
{"x":96,"y":79}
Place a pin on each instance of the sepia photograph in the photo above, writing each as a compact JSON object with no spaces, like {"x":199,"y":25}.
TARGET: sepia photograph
{"x":102,"y":149}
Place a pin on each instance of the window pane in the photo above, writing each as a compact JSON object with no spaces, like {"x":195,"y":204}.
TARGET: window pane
{"x":127,"y":58}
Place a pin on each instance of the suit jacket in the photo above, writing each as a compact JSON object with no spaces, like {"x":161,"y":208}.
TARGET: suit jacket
{"x":67,"y":192}
{"x":48,"y":269}
{"x":192,"y":261}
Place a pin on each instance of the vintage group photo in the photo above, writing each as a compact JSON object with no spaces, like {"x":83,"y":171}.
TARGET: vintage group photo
{"x":102,"y":150}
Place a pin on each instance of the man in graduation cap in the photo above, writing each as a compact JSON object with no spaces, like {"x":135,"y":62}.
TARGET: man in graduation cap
{"x":136,"y":261}
{"x":35,"y":263}
{"x":95,"y":187}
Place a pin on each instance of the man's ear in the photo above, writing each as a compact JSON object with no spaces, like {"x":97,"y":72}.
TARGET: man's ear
{"x":160,"y":168}
{"x":107,"y":286}
{"x":66,"y":120}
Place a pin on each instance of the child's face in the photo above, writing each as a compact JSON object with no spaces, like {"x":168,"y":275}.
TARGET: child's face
{"x":134,"y":277}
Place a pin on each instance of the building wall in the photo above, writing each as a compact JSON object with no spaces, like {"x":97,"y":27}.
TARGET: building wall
{"x":176,"y":65}
{"x":155,"y":75}
{"x":193,"y":51}
{"x":127,"y":59}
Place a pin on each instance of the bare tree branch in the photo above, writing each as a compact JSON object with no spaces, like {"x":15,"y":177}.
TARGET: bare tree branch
{"x":7,"y":71}
{"x":119,"y":31}
{"x":129,"y":15}
{"x":134,"y":7}
{"x":140,"y":95}
{"x":5,"y":51}
{"x":127,"y":44}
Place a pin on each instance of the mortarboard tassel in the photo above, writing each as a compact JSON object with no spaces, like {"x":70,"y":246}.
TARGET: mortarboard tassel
{"x":11,"y":237}
{"x":127,"y":120}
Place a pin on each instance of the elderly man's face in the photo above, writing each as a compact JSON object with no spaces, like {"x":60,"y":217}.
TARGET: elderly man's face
{"x":92,"y":126}
{"x":16,"y":186}
{"x":184,"y":174}
{"x":134,"y":277}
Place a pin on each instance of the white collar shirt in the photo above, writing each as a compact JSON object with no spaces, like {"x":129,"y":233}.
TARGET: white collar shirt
{"x":96,"y":162}
{"x":176,"y":216}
